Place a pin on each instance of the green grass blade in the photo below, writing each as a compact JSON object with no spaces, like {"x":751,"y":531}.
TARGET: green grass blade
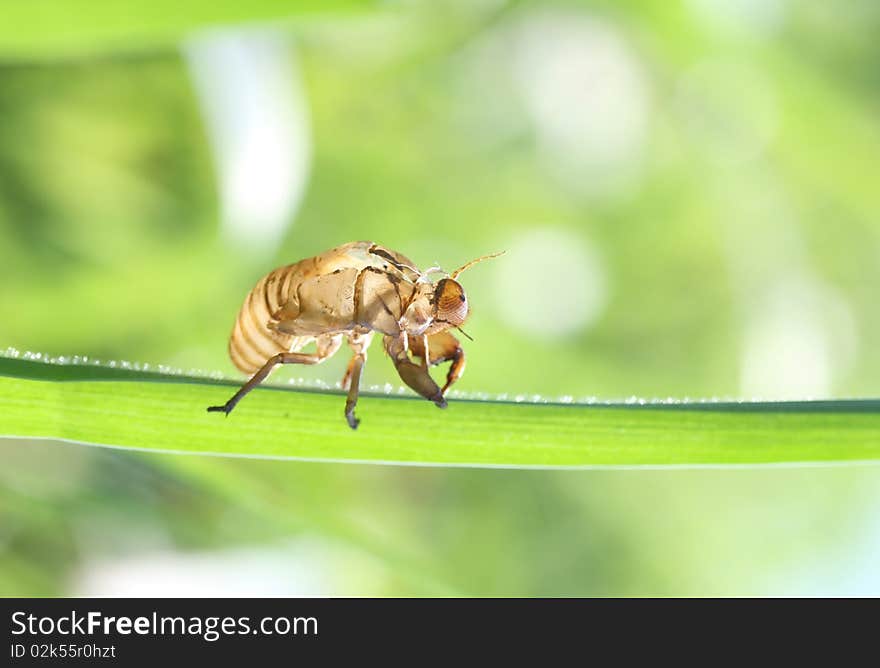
{"x":164,"y":412}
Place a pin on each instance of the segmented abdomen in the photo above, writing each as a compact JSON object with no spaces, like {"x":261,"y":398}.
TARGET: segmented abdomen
{"x":252,"y":342}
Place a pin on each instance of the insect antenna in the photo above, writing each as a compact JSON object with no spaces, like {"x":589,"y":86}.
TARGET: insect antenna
{"x":469,"y":337}
{"x":470,"y":264}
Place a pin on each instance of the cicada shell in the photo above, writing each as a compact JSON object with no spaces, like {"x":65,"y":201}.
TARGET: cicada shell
{"x":351,"y":293}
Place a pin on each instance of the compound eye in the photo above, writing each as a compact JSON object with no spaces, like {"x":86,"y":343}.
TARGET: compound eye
{"x":450,"y":302}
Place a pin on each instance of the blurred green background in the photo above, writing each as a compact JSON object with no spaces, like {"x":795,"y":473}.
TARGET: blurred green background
{"x":687,"y":192}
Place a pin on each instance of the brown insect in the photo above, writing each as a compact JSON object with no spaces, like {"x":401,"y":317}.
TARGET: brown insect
{"x":352,"y":292}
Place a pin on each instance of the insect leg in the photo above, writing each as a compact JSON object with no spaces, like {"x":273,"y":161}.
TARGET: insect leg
{"x":414,"y":375}
{"x":455,"y":369}
{"x":354,"y":377}
{"x":442,"y":347}
{"x":359,"y":344}
{"x":326,"y":347}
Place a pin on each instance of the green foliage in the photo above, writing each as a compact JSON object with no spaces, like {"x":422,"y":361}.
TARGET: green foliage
{"x":52,"y":28}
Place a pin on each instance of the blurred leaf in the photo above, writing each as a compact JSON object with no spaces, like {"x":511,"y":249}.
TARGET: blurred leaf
{"x":62,"y":27}
{"x":165,"y":412}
